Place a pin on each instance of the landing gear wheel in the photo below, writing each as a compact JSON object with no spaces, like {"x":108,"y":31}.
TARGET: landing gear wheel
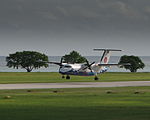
{"x":96,"y":78}
{"x":67,"y":77}
{"x":63,"y":77}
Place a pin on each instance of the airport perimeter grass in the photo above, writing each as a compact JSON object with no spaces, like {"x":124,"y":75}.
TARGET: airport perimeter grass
{"x":125,"y":103}
{"x":47,"y":77}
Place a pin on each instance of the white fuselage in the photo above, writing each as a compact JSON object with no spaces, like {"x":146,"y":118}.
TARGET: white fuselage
{"x":80,"y":69}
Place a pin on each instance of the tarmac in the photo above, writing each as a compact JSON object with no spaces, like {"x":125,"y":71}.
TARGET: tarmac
{"x":74,"y":85}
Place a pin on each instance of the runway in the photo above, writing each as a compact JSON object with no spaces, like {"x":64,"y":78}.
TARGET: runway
{"x":74,"y":85}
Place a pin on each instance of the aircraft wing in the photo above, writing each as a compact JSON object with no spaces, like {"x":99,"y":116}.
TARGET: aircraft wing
{"x":56,"y":63}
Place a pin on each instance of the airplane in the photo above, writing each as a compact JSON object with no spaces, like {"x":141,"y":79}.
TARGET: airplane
{"x":87,"y":69}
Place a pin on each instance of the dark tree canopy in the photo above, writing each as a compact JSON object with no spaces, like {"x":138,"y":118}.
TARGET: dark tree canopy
{"x":73,"y":57}
{"x":28,"y":60}
{"x":134,"y":61}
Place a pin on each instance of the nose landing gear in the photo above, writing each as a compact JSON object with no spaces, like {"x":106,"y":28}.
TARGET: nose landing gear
{"x":63,"y":77}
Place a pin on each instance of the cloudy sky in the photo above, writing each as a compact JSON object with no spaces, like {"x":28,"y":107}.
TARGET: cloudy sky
{"x":56,"y":27}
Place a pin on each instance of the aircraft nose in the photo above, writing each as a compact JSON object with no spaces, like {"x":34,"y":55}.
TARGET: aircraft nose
{"x":64,"y":70}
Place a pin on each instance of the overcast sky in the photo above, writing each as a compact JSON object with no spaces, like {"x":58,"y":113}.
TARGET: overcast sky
{"x":56,"y":27}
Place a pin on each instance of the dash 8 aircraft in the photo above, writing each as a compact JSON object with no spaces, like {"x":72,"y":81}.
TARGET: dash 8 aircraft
{"x":87,"y":69}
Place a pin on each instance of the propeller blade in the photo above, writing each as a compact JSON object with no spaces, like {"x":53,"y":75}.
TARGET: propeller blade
{"x":61,"y":61}
{"x":87,"y":62}
{"x":89,"y":65}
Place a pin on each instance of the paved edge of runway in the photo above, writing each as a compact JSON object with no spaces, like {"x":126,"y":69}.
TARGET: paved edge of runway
{"x":73,"y":85}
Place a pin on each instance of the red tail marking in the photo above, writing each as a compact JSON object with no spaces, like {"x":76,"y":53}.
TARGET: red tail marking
{"x":105,"y":60}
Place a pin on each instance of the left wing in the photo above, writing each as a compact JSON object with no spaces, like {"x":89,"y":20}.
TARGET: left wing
{"x":56,"y":63}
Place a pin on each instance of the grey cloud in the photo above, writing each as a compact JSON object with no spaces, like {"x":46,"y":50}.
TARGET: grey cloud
{"x":120,"y":8}
{"x":63,"y":11}
{"x":74,"y":23}
{"x":147,"y":9}
{"x":48,"y":15}
{"x":126,"y":9}
{"x":26,"y":13}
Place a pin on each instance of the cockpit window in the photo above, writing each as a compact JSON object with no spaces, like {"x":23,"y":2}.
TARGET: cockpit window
{"x":67,"y":66}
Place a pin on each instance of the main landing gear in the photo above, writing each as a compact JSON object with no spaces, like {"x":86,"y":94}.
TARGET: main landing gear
{"x":67,"y":77}
{"x":96,"y":78}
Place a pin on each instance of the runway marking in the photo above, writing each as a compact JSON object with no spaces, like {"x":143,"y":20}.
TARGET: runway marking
{"x":74,"y":85}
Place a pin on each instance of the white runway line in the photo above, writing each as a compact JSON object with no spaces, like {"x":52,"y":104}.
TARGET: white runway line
{"x":74,"y":85}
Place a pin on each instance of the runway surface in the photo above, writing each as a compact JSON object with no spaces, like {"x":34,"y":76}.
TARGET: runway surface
{"x":73,"y":85}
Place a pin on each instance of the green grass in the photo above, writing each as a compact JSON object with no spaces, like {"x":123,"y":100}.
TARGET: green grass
{"x":126,"y":103}
{"x":40,"y":77}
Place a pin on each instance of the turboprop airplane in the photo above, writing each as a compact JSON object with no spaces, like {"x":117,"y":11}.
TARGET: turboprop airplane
{"x":87,"y":69}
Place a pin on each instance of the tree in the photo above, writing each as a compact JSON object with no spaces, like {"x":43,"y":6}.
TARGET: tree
{"x":134,"y":61}
{"x":73,"y":57}
{"x":28,"y":60}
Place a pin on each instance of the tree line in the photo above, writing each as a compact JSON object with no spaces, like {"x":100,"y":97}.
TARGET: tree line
{"x":30,"y":60}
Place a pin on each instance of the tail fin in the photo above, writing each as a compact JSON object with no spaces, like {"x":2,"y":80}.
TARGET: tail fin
{"x":105,"y":58}
{"x":106,"y":55}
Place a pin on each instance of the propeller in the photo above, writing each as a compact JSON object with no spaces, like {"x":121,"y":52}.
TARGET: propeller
{"x":61,"y":61}
{"x":88,"y":65}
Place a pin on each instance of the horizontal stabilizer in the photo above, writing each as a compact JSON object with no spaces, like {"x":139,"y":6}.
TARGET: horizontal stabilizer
{"x":106,"y":50}
{"x":114,"y":64}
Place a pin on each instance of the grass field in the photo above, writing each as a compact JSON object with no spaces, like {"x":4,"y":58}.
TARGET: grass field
{"x":126,"y":103}
{"x":56,"y":77}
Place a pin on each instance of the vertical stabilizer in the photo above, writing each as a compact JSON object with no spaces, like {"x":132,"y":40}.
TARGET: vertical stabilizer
{"x":106,"y":55}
